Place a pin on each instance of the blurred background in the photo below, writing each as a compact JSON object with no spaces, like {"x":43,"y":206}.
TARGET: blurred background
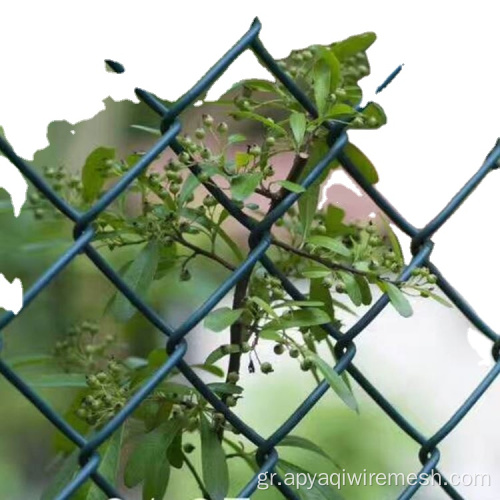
{"x":424,"y":365}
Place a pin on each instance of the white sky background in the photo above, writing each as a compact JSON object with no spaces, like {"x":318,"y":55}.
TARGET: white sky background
{"x":442,"y":110}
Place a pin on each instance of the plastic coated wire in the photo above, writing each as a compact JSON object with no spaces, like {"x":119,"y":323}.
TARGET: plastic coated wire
{"x":259,"y":242}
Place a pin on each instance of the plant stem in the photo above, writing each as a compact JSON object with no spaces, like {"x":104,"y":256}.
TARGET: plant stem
{"x":197,"y":478}
{"x":336,"y":266}
{"x":205,"y":253}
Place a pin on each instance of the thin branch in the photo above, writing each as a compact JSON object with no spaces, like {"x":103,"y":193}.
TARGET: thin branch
{"x":197,"y":478}
{"x":205,"y":253}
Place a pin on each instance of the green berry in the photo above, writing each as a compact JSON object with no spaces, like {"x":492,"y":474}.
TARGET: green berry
{"x":96,"y":404}
{"x":200,"y":133}
{"x":341,"y":93}
{"x":294,"y":352}
{"x":340,"y":288}
{"x":270,"y":141}
{"x":205,"y":153}
{"x":233,"y":377}
{"x":188,"y":448}
{"x":203,"y":177}
{"x":102,"y":376}
{"x":50,"y":173}
{"x":279,"y":349}
{"x":184,"y":157}
{"x":209,"y":201}
{"x":208,"y":120}
{"x":432,"y":279}
{"x":185,"y":275}
{"x":363,"y":69}
{"x":92,"y":382}
{"x":174,"y":188}
{"x":245,"y":347}
{"x":266,"y":367}
{"x":358,"y":121}
{"x":222,"y":128}
{"x":219,"y":418}
{"x":177,"y":411}
{"x":372,"y":121}
{"x":34,"y":198}
{"x":306,"y":364}
{"x":82,"y":413}
{"x":255,"y":150}
{"x":231,"y":401}
{"x":90,"y":349}
{"x":39,"y":213}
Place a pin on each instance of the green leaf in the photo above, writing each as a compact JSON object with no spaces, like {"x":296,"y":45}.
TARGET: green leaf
{"x":151,"y":450}
{"x":298,"y":124}
{"x":393,"y":240}
{"x":221,"y":388}
{"x":352,"y":287}
{"x":299,"y":318}
{"x":438,"y":299}
{"x":305,"y":444}
{"x":313,"y":272}
{"x":333,"y":64}
{"x":138,"y":276}
{"x":110,"y":459}
{"x":321,"y":76}
{"x":188,"y":187}
{"x":374,"y":110}
{"x":220,"y":319}
{"x":220,"y":352}
{"x":302,"y":303}
{"x":354,"y":44}
{"x":242,"y":159}
{"x":244,"y":185}
{"x":175,"y":454}
{"x":292,"y":186}
{"x":319,"y":292}
{"x":363,"y":164}
{"x":63,"y":477}
{"x":339,"y":110}
{"x":93,"y":173}
{"x":267,"y":122}
{"x":336,"y":382}
{"x":330,"y":244}
{"x":364,"y":288}
{"x":270,"y":335}
{"x":213,"y":460}
{"x":59,"y":380}
{"x":61,"y":443}
{"x":316,"y":491}
{"x":149,"y":130}
{"x":236,"y":138}
{"x":256,"y":84}
{"x":308,"y":202}
{"x":30,"y":360}
{"x":264,"y":306}
{"x":156,"y":479}
{"x":397,"y":298}
{"x":333,"y":221}
{"x":212,"y":369}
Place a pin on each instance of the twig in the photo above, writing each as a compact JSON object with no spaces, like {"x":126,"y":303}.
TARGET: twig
{"x":197,"y":478}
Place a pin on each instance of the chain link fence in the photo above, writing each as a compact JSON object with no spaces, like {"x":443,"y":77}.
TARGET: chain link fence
{"x":259,"y":242}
